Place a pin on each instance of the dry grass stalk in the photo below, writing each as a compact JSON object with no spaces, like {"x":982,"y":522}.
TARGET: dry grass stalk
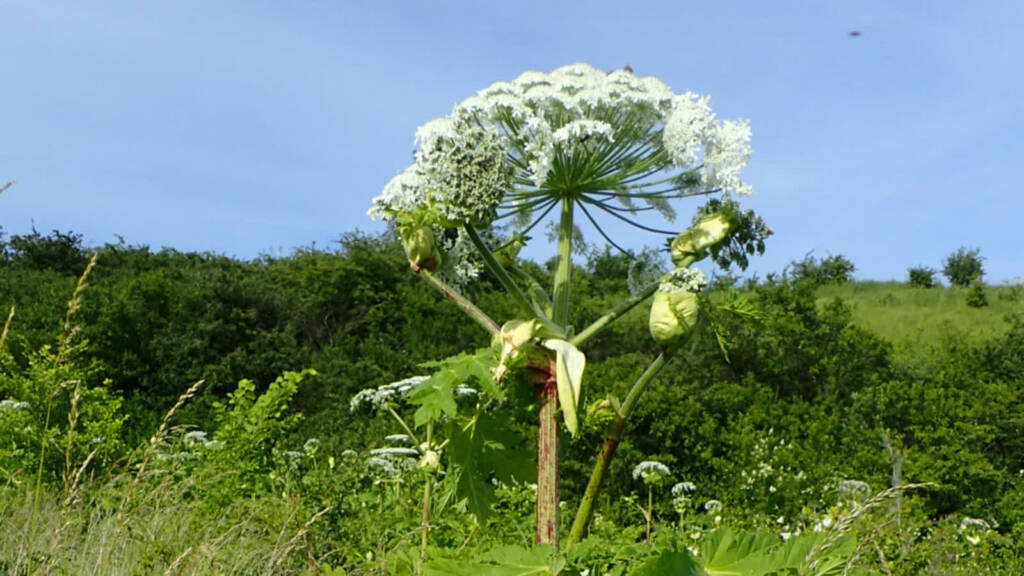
{"x":155,"y":441}
{"x":7,"y":329}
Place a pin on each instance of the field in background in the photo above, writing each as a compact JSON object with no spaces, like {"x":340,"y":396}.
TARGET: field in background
{"x":914,"y":319}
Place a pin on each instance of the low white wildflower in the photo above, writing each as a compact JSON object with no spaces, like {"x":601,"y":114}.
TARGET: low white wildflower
{"x":973,"y":529}
{"x":375,"y":397}
{"x":682,"y":488}
{"x":463,"y":390}
{"x":713,"y":506}
{"x":974,"y":523}
{"x":650,"y":471}
{"x":397,"y":438}
{"x":386,"y":465}
{"x":395,"y":451}
{"x":311,"y":447}
{"x":855,"y":490}
{"x":13,"y":405}
{"x":195,"y":437}
{"x":292,"y":455}
{"x":349,"y":453}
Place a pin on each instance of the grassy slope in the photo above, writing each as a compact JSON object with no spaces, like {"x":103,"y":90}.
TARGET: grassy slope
{"x":915,"y":318}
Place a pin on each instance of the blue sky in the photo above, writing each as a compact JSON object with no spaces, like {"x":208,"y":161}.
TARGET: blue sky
{"x":255,"y":127}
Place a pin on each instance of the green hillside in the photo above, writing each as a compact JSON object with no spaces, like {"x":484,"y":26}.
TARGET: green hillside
{"x":915,"y":318}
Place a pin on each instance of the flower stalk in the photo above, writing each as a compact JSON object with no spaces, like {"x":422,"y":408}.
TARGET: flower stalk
{"x":478,"y":315}
{"x":613,"y":436}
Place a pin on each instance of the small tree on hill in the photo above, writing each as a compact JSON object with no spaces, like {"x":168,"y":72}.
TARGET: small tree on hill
{"x":832,"y":269}
{"x":922,"y":277}
{"x":963,"y":267}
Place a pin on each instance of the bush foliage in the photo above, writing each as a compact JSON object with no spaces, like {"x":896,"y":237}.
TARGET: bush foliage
{"x":963,"y":267}
{"x":810,"y":421}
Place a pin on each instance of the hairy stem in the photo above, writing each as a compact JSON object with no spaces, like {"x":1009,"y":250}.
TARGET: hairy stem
{"x":547,"y":442}
{"x":613,"y":435}
{"x":547,"y":462}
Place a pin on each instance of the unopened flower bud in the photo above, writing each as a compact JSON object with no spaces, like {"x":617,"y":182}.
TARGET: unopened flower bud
{"x":672,"y":315}
{"x":421,"y":247}
{"x":430,"y":459}
{"x":693,"y":243}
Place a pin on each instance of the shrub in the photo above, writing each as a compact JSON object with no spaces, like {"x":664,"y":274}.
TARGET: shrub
{"x":921,"y":277}
{"x":832,"y":269}
{"x":963,"y":267}
{"x":976,"y":297}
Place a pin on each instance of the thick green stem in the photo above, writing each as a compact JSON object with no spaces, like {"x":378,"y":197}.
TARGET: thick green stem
{"x":560,"y":292}
{"x":499,"y":272}
{"x":468,"y":307}
{"x":622,"y":308}
{"x":613,"y":435}
{"x":547,"y":442}
{"x":614,"y":313}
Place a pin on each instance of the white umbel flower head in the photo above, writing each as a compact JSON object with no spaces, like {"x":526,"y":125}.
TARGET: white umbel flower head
{"x":651,"y":472}
{"x":682,"y":488}
{"x":13,"y":405}
{"x":517,"y":148}
{"x":376,"y":397}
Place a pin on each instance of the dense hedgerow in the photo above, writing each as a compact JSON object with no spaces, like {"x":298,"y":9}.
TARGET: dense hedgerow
{"x":807,"y":405}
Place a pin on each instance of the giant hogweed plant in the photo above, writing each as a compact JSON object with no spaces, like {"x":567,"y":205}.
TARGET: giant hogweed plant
{"x":576,"y":145}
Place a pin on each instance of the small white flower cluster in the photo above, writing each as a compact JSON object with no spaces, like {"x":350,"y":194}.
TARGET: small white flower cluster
{"x":311,"y":446}
{"x":973,"y":529}
{"x":13,"y":405}
{"x":391,"y":451}
{"x":684,"y":280}
{"x":460,"y":168}
{"x":713,"y":506}
{"x":392,"y":464}
{"x":680,"y":495}
{"x":854,"y":490}
{"x":195,"y":437}
{"x":644,"y":270}
{"x":650,"y":471}
{"x":397,"y":438}
{"x":375,"y":397}
{"x":683,"y":488}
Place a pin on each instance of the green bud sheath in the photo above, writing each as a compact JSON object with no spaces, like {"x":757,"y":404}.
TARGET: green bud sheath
{"x":695,"y":241}
{"x":672,"y":315}
{"x":420,"y":247}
